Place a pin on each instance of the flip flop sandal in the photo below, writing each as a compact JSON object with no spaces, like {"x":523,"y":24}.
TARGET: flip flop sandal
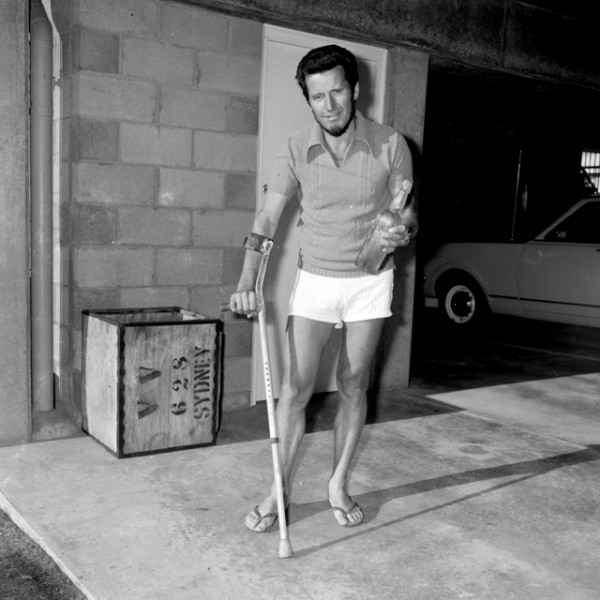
{"x":348,"y":512}
{"x":260,"y":523}
{"x":254,"y":519}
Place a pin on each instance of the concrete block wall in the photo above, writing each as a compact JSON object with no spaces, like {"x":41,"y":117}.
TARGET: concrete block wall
{"x":159,"y":174}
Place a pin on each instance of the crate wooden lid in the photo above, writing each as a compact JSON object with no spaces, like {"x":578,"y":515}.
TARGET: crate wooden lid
{"x":171,"y":315}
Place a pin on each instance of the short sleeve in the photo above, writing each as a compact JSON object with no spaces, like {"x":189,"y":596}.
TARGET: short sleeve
{"x":401,"y":166}
{"x":282,"y":179}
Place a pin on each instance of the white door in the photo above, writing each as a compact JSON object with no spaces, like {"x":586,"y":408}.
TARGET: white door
{"x":283,"y":110}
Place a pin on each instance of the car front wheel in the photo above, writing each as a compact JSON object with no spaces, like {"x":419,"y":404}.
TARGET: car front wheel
{"x":462,"y":303}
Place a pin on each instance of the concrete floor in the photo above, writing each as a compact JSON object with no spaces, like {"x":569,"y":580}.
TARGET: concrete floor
{"x":470,"y":491}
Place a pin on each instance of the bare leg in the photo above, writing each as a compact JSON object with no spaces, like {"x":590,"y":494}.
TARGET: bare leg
{"x":356,"y":354}
{"x":306,"y":341}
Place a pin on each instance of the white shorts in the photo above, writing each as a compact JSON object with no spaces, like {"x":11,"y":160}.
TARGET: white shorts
{"x":339,"y":299}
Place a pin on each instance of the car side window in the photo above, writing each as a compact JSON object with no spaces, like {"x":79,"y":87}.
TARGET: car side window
{"x":581,"y":227}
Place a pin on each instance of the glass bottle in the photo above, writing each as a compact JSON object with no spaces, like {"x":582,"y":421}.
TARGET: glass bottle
{"x":371,"y":256}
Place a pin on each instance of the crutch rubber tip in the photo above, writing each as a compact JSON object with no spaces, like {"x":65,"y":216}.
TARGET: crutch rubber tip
{"x":285,"y":549}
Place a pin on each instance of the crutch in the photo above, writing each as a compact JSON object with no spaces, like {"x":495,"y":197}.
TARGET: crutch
{"x":285,"y":547}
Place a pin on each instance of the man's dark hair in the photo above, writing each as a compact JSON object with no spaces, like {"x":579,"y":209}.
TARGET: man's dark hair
{"x":326,"y":58}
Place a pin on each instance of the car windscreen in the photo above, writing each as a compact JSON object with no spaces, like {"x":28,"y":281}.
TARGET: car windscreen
{"x":580,"y":227}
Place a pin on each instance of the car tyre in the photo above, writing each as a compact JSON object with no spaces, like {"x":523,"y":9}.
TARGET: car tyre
{"x":462,"y":303}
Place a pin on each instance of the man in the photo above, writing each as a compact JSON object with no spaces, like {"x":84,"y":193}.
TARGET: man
{"x":344,"y":170}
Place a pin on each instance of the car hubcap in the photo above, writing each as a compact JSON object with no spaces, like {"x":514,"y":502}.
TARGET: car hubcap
{"x":460,"y":304}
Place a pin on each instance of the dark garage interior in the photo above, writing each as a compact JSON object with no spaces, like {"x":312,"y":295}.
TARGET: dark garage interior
{"x":490,"y":137}
{"x":502,"y":159}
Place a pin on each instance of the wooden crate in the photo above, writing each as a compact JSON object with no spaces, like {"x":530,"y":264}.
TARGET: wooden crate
{"x":152,"y":379}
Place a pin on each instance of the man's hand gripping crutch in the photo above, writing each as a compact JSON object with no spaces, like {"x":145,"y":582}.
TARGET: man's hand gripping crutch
{"x":263,"y":245}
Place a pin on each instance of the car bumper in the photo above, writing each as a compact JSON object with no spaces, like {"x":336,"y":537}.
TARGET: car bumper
{"x":431,"y":302}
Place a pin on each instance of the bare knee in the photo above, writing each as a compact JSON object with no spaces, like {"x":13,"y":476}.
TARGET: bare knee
{"x":352,"y":384}
{"x":295,"y":394}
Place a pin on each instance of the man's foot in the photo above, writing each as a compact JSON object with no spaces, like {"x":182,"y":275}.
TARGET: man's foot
{"x":259,"y":523}
{"x":350,"y":517}
{"x":264,"y":516}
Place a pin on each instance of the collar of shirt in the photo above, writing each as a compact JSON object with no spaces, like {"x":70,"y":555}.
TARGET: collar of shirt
{"x":363,"y":133}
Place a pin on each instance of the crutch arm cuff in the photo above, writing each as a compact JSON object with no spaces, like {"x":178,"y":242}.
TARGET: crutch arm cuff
{"x":255,"y":242}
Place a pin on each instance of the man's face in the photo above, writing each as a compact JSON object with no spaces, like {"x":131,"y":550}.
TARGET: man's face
{"x":331,"y":100}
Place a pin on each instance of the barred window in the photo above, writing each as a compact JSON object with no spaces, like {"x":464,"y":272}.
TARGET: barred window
{"x":590,"y":167}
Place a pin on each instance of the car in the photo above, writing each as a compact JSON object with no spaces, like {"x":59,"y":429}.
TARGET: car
{"x":553,"y":277}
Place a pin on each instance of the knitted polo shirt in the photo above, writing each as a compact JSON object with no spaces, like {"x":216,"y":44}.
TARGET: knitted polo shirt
{"x":337,"y":204}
